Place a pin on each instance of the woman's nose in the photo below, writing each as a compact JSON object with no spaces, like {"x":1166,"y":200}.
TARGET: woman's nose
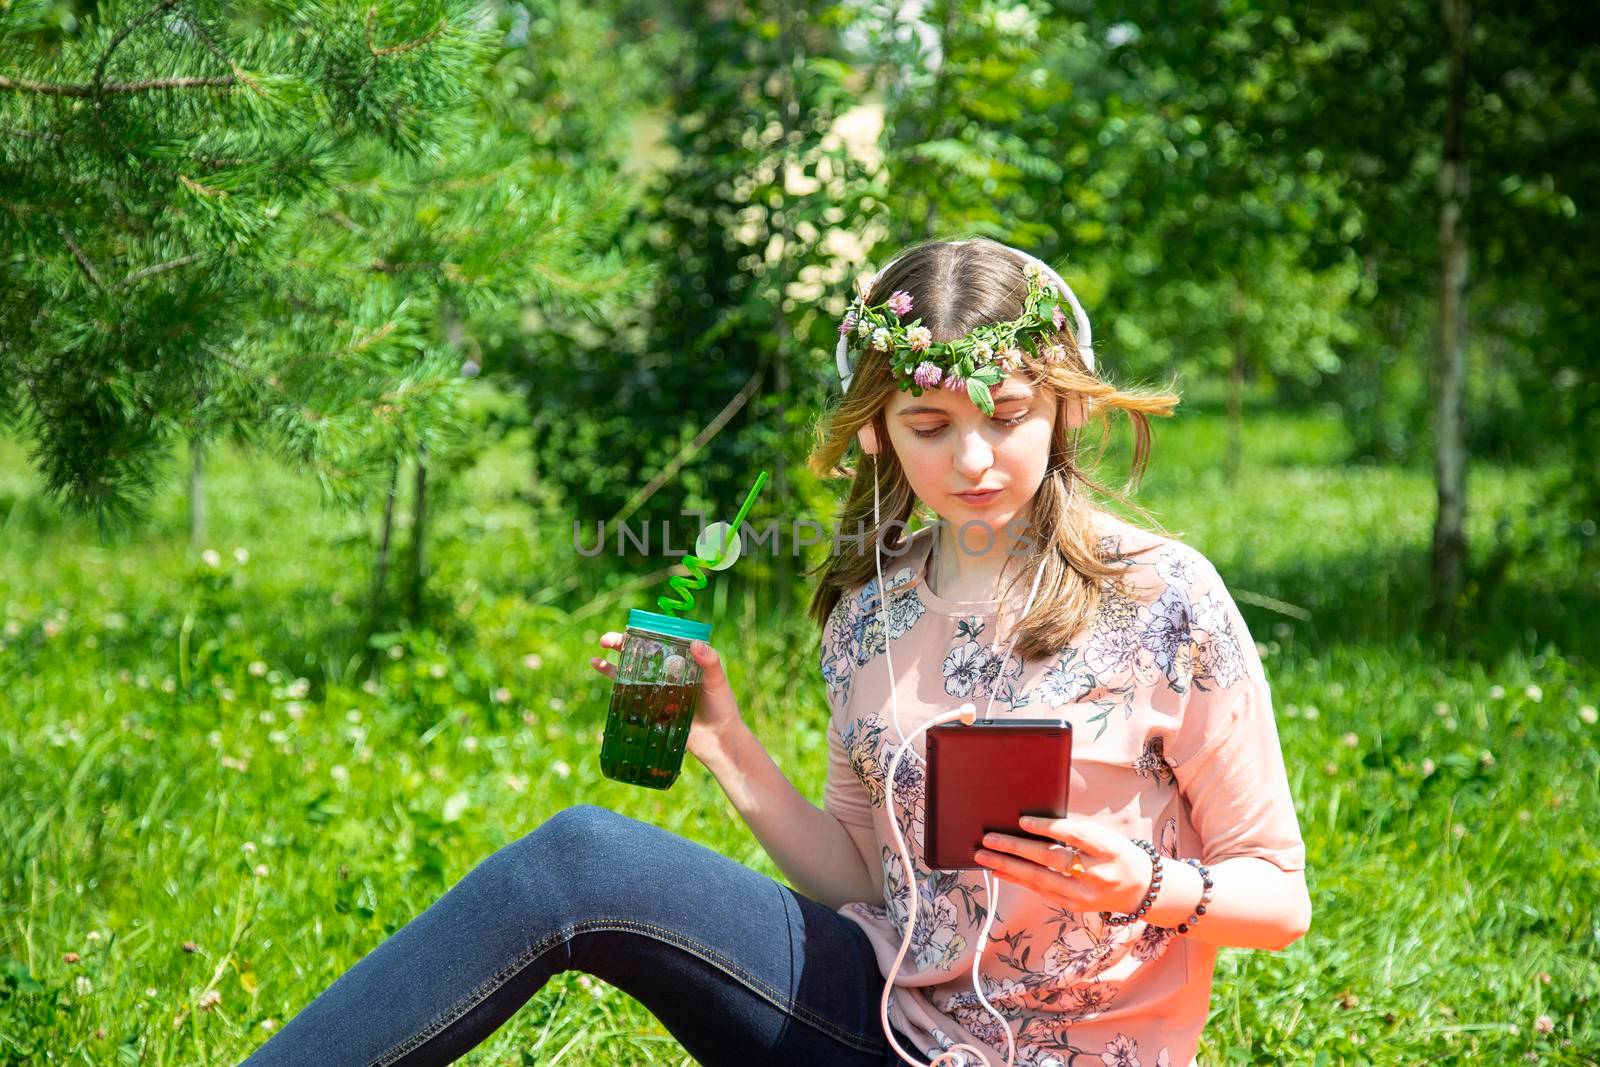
{"x":974,"y":454}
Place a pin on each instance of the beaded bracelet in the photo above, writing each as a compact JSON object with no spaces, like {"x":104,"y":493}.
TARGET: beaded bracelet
{"x":1150,"y":895}
{"x":1205,"y":895}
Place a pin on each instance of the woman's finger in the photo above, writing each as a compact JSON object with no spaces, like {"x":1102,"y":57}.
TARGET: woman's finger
{"x":1088,"y":837}
{"x":1057,"y":857}
{"x":1030,"y":875}
{"x":611,"y":639}
{"x":603,"y":665}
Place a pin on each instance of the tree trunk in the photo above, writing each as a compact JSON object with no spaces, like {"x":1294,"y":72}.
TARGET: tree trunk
{"x":794,"y":57}
{"x":419,"y":535}
{"x":197,"y":493}
{"x":380,"y":572}
{"x":1450,"y":459}
{"x":1233,"y":459}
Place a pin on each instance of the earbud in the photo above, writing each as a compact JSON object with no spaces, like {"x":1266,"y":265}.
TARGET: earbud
{"x":868,"y":436}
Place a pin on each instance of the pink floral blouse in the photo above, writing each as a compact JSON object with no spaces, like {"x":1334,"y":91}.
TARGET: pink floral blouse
{"x":1174,"y":742}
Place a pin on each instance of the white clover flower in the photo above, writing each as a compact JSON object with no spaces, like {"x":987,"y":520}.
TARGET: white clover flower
{"x":919,"y":338}
{"x":257,"y":669}
{"x":982,"y":352}
{"x":560,"y":769}
{"x":882,"y":339}
{"x":863,"y":328}
{"x":242,"y":555}
{"x":211,"y":558}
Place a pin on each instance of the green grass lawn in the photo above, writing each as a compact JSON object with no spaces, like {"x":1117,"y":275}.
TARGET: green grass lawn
{"x":206,"y":816}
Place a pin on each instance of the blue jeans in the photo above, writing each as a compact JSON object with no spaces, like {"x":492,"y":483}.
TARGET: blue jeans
{"x":738,"y":967}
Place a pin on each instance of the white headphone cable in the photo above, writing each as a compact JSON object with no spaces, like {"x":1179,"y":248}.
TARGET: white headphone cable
{"x":991,"y":884}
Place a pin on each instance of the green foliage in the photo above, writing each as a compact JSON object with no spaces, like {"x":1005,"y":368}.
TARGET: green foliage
{"x":266,"y":218}
{"x":186,"y":748}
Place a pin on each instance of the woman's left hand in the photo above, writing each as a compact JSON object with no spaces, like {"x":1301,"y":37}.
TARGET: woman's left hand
{"x":1115,"y":874}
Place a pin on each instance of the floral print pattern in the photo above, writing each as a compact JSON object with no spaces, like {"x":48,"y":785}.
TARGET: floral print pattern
{"x":1164,"y":634}
{"x":1153,"y":764}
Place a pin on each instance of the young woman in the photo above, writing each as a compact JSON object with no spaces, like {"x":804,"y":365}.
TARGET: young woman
{"x":1092,"y":949}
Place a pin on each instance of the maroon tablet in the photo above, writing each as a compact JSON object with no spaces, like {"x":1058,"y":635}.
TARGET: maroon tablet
{"x":985,"y":777}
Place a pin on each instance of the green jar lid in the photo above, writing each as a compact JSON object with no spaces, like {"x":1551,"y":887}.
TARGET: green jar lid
{"x":669,"y":625}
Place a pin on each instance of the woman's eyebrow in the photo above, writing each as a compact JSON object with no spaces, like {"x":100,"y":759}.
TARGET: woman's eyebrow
{"x":928,"y":409}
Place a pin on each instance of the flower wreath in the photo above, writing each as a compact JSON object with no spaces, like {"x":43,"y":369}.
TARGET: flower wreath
{"x":973,"y":363}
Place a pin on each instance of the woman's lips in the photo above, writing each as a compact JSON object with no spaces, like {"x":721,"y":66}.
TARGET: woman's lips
{"x":979,"y":498}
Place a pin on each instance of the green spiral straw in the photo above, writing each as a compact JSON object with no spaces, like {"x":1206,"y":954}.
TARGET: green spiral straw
{"x":682,"y":583}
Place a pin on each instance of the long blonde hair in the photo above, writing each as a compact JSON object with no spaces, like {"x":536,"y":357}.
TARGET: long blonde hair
{"x":957,"y":288}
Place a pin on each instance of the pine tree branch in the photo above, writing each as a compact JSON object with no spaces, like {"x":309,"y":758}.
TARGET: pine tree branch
{"x":159,"y":268}
{"x":42,"y":135}
{"x":407,"y":46}
{"x":200,"y":188}
{"x":342,"y":219}
{"x":270,"y":380}
{"x":215,"y":49}
{"x":98,"y":81}
{"x":23,"y":85}
{"x":80,"y":256}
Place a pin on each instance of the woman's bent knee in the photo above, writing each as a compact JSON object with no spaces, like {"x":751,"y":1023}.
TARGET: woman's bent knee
{"x":550,"y":871}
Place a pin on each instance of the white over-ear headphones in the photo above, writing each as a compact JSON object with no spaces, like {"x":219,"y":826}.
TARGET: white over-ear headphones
{"x":868,"y":435}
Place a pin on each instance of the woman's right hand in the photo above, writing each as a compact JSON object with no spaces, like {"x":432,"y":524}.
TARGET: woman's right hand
{"x":716,"y":716}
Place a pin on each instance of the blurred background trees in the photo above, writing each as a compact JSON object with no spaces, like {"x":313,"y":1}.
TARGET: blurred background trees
{"x":310,"y":228}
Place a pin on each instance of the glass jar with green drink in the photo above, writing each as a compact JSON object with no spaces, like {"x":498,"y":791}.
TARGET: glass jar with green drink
{"x":653,"y":699}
